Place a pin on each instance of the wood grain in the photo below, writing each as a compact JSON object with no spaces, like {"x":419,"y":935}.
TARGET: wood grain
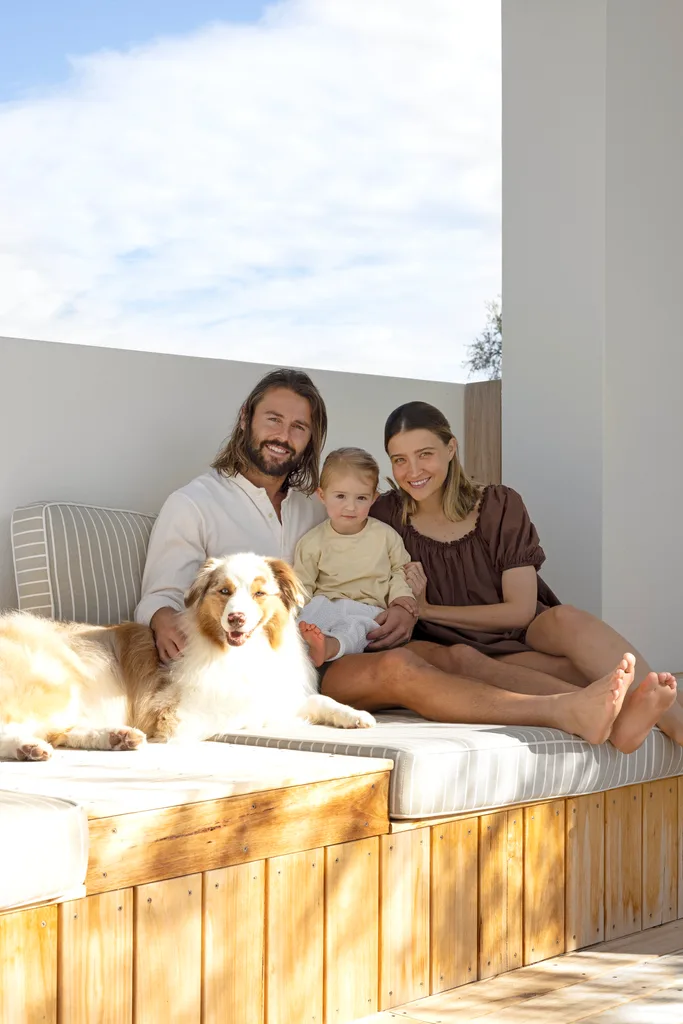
{"x":544,"y":881}
{"x":404,"y":917}
{"x":500,"y":892}
{"x":660,"y":852}
{"x":132,"y":849}
{"x":351,"y":930}
{"x":234,"y":943}
{"x":295,"y":893}
{"x":680,"y":847}
{"x":623,"y":861}
{"x":167,"y":973}
{"x":28,"y":966}
{"x":483,"y":431}
{"x":95,"y":977}
{"x":454,"y":904}
{"x":585,"y":871}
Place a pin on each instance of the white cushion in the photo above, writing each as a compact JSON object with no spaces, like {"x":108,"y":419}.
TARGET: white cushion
{"x":43,"y":849}
{"x":442,"y":769}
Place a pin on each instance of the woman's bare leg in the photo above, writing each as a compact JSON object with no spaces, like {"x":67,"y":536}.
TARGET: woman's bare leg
{"x":550,"y":664}
{"x":461,"y":660}
{"x":401,"y":678}
{"x":591,"y":645}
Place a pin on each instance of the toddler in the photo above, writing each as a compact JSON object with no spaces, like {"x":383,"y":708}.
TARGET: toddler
{"x":351,"y":567}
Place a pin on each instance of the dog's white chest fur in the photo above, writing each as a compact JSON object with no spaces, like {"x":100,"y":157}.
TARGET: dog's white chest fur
{"x":248,"y":687}
{"x":245,"y":665}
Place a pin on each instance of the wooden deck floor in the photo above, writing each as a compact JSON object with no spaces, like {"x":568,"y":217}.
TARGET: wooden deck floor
{"x":633,"y":980}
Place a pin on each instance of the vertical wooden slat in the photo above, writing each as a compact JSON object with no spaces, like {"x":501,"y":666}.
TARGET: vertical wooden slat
{"x":294,"y":938}
{"x":95,"y":979}
{"x":483,"y":431}
{"x":585,"y":871}
{"x":623,"y":861}
{"x":233,"y":949}
{"x":167,"y":967}
{"x":351,"y":930}
{"x":404,"y":917}
{"x":679,"y":831}
{"x":544,"y":881}
{"x":454,"y":904}
{"x":28,"y":966}
{"x":500,"y":892}
{"x":660,"y":852}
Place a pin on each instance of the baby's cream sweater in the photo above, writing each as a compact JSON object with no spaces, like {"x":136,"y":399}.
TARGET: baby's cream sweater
{"x":365,"y":566}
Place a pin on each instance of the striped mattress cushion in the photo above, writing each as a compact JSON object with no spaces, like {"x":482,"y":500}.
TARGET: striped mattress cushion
{"x":442,"y":769}
{"x":79,"y":562}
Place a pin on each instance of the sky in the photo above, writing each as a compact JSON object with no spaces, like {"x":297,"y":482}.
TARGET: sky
{"x":309,"y":182}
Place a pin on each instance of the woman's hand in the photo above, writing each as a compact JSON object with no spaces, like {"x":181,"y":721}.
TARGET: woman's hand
{"x":395,"y":627}
{"x":417,"y":581}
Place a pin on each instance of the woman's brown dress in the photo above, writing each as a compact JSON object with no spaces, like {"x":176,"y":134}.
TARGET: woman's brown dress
{"x":468,"y":571}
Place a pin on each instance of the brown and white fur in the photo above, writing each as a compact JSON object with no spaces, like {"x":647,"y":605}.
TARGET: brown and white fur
{"x":244,"y":666}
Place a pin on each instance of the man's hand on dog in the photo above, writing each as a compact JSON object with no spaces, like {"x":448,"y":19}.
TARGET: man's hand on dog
{"x":168,"y":636}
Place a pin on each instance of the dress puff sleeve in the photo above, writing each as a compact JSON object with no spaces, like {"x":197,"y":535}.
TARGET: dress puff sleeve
{"x":513,"y":540}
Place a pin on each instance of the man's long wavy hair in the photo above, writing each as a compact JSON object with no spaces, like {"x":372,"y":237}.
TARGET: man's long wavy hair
{"x":233,"y":457}
{"x":460,"y":494}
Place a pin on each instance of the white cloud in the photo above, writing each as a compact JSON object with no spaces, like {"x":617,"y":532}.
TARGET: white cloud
{"x":319,"y":189}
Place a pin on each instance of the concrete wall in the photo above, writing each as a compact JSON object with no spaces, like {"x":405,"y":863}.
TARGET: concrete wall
{"x":592,"y":270}
{"x":124,"y":429}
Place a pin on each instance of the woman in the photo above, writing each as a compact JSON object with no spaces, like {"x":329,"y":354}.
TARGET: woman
{"x":487,"y":618}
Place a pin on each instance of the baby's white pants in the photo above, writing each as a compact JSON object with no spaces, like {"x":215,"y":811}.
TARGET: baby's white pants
{"x":347,"y":621}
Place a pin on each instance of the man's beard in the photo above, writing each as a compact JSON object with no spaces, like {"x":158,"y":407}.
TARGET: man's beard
{"x":264,"y":461}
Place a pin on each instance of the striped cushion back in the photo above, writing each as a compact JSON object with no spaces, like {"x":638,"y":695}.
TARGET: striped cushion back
{"x":79,"y":562}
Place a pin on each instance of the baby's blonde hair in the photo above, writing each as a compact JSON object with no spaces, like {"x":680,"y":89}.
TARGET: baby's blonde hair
{"x":355,"y":459}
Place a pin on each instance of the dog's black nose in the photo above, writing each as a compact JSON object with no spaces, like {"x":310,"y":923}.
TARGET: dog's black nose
{"x":237,"y":619}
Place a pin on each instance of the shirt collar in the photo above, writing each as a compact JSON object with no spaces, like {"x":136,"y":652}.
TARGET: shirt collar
{"x":251,"y":489}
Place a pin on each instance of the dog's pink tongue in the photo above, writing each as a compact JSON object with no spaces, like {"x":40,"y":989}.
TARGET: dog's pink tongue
{"x":237,"y":638}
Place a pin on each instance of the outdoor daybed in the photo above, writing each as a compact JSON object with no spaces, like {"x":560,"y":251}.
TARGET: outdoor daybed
{"x":314,"y":875}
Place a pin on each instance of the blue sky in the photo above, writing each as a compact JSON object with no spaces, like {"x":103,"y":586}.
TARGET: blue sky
{"x":311,"y":182}
{"x":38,"y":36}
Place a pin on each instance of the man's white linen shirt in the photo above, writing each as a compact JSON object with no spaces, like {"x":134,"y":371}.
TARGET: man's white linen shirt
{"x":213,"y":516}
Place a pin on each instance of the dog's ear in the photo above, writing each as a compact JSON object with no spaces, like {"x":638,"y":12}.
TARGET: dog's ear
{"x":291,"y":590}
{"x":202,"y":582}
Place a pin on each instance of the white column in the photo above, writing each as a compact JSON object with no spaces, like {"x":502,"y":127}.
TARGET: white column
{"x":593,"y":302}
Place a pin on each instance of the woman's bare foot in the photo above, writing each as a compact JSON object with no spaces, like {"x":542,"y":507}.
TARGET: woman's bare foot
{"x":645,"y":706}
{"x":590,"y":713}
{"x":320,"y":647}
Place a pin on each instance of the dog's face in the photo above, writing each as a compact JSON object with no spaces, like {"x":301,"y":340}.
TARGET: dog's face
{"x":237,"y":596}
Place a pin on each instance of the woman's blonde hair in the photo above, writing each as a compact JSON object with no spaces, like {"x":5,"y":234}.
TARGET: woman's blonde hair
{"x":460,"y":494}
{"x":233,"y":458}
{"x":355,"y":459}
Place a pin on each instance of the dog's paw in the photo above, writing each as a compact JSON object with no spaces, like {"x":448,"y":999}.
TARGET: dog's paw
{"x":364,"y":720}
{"x":34,"y":750}
{"x":126,"y":738}
{"x":353,"y":719}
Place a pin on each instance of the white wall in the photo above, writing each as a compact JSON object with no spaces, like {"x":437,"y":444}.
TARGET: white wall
{"x":124,"y":429}
{"x":592,"y":270}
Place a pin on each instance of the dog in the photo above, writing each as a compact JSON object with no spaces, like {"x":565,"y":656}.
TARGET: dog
{"x":245,"y":666}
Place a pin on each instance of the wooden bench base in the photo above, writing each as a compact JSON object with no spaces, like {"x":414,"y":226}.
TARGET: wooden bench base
{"x":333,"y":933}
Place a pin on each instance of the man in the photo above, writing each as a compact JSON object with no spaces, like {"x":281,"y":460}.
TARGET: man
{"x":257,"y":496}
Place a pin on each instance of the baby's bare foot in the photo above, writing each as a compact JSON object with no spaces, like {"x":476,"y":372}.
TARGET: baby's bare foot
{"x":591,"y":712}
{"x":644,"y":708}
{"x":320,"y":647}
{"x":314,"y":639}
